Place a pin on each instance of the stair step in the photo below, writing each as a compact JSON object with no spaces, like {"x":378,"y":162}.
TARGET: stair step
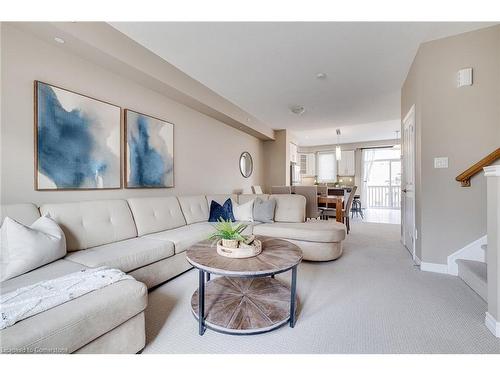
{"x":473,"y":273}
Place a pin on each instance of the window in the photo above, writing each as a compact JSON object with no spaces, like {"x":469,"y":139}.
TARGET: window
{"x":382,"y":177}
{"x":303,"y":164}
{"x":381,"y":154}
{"x":327,"y":167}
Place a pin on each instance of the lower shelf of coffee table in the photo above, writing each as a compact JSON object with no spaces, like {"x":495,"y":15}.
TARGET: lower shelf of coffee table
{"x":244,"y":305}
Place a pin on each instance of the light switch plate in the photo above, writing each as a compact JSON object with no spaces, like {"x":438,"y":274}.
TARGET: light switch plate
{"x":441,"y":162}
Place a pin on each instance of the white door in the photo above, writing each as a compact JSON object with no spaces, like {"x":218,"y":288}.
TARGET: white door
{"x":408,"y":181}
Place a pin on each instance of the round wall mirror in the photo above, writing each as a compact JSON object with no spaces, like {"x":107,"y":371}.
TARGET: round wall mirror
{"x":246,"y":164}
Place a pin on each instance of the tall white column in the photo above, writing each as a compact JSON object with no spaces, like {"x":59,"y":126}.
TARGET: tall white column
{"x":493,"y":253}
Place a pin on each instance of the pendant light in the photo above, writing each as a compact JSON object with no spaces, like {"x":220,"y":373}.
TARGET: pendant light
{"x":338,"y":151}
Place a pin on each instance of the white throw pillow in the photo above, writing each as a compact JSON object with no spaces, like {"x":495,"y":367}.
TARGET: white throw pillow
{"x":24,"y":248}
{"x":243,"y":212}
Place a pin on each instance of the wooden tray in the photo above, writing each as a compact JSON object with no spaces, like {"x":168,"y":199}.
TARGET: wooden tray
{"x":243,"y":251}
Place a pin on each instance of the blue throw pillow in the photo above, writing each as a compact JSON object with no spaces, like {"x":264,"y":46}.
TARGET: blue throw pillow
{"x":224,"y":212}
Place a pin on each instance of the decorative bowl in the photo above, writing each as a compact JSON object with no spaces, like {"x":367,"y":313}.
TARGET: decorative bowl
{"x":240,"y":252}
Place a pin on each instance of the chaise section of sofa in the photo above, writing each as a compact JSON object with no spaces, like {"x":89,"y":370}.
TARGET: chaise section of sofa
{"x":96,"y":322}
{"x":319,"y":240}
{"x":77,"y":323}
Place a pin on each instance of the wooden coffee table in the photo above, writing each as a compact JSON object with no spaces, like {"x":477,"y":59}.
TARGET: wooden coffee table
{"x":246,"y":299}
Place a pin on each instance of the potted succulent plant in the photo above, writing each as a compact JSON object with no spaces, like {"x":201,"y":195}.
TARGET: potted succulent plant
{"x":229,"y":234}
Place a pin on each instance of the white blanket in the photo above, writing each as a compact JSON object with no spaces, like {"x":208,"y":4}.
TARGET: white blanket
{"x":34,"y":299}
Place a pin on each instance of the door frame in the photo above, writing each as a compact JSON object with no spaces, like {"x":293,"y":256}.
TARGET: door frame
{"x":411,"y":113}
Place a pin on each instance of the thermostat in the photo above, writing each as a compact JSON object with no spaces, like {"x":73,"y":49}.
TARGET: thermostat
{"x":464,"y":77}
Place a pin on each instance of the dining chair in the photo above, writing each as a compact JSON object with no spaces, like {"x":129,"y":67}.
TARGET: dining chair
{"x":326,"y":211}
{"x":311,"y":195}
{"x":257,"y":189}
{"x":348,"y":197}
{"x":356,"y":207}
{"x":322,"y":191}
{"x":281,"y":190}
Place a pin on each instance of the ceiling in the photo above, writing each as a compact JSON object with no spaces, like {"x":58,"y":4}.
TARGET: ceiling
{"x":266,"y":68}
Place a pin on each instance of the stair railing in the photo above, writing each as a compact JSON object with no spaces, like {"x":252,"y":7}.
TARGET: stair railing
{"x":465,"y":176}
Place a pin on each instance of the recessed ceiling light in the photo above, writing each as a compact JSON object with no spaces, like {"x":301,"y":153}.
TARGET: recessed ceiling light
{"x":59,"y":40}
{"x":298,"y":109}
{"x":321,"y":76}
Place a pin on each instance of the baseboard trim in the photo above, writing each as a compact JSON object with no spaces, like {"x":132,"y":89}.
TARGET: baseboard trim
{"x":492,"y":324}
{"x":434,"y":267}
{"x":472,"y":251}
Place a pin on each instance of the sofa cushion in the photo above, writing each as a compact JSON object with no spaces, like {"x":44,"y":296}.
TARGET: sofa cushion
{"x":186,"y":236}
{"x":194,"y":208}
{"x":24,"y":213}
{"x":50,"y":271}
{"x":244,"y":198}
{"x":125,"y":255}
{"x":290,"y":208}
{"x":221,"y":212}
{"x":68,"y":327}
{"x":24,"y":248}
{"x":263,"y":211}
{"x":156,"y":214}
{"x":313,"y":231}
{"x":244,"y":211}
{"x":92,"y":223}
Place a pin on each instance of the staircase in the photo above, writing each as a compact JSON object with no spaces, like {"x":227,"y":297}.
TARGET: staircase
{"x":473,"y":273}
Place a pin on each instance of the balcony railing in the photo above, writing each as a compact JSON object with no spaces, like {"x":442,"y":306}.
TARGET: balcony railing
{"x":384,"y":196}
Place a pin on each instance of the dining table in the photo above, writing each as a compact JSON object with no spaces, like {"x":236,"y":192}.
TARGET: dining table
{"x":331,"y":201}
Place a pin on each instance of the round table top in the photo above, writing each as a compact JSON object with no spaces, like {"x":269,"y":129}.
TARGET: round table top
{"x":276,"y":256}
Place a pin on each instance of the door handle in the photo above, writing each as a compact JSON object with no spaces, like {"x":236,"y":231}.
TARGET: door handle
{"x":404,"y":190}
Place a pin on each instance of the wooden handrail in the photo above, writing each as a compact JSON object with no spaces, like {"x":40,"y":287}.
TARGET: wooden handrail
{"x":465,"y":176}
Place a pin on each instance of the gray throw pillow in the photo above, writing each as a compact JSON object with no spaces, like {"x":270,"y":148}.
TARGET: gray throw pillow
{"x":263,"y":210}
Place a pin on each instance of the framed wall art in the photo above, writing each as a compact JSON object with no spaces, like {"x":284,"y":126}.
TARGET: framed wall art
{"x":77,"y":141}
{"x":149,"y":151}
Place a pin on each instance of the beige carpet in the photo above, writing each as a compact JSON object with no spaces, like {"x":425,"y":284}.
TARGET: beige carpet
{"x":371,"y":300}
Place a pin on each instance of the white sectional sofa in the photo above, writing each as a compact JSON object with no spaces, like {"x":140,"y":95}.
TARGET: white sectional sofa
{"x":146,"y":238}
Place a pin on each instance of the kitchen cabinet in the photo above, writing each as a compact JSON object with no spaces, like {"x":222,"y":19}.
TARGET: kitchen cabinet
{"x":347,"y":164}
{"x":307,"y":163}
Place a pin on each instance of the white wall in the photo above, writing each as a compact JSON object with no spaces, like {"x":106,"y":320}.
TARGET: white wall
{"x":206,"y":150}
{"x":460,"y":123}
{"x":277,"y":160}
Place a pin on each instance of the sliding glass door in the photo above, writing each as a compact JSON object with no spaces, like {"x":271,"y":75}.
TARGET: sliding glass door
{"x":382,"y":178}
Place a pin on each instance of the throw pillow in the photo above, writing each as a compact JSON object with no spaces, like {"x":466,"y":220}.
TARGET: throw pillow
{"x":224,"y":212}
{"x":243,"y":212}
{"x":24,"y":248}
{"x":263,"y":210}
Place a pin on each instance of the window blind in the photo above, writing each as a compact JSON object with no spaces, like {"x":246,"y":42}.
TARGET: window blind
{"x":327,"y":167}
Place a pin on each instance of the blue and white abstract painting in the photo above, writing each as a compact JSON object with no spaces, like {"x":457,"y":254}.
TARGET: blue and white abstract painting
{"x":78,"y":141}
{"x":149,"y":151}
